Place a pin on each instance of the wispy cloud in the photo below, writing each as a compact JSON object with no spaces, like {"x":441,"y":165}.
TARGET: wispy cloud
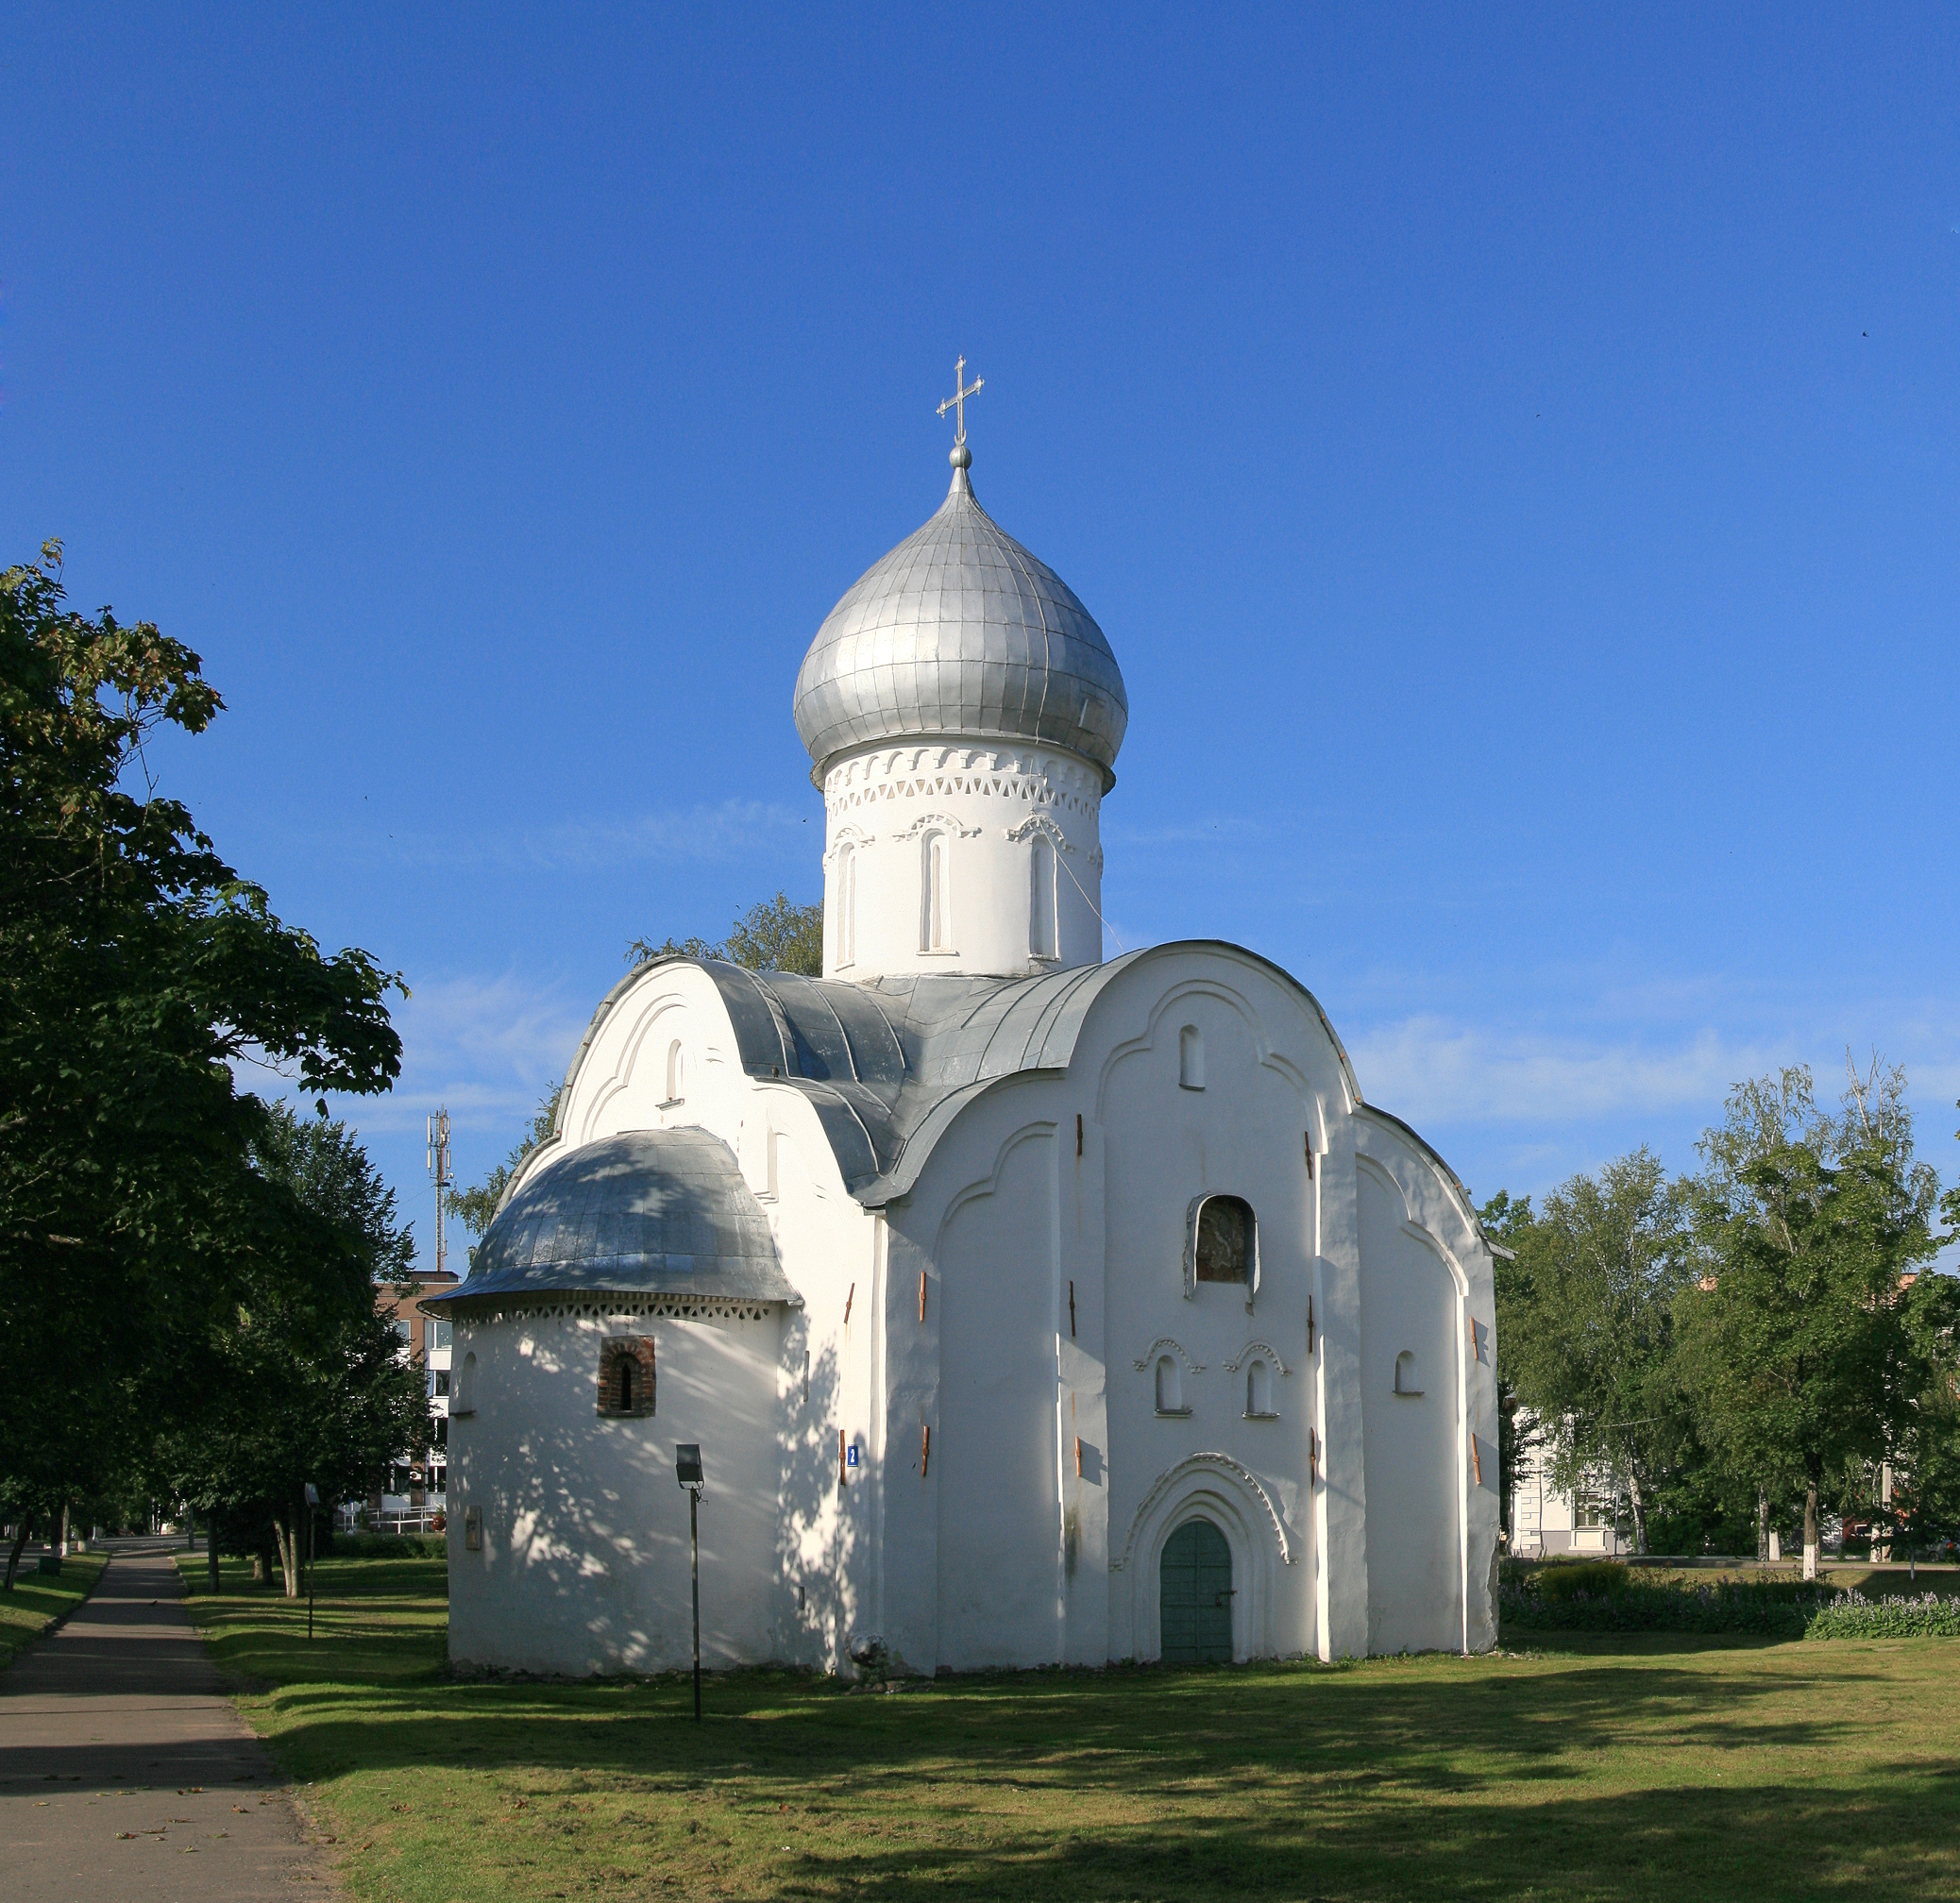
{"x":1428,"y":1067}
{"x":486,"y":1048}
{"x":730,"y":831}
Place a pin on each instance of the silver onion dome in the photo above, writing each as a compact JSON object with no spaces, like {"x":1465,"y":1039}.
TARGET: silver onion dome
{"x":960,"y":633}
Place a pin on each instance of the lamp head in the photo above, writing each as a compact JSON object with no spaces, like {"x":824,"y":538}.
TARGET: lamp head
{"x":687,"y":1464}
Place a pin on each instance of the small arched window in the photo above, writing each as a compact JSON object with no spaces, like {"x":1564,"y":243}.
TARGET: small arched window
{"x":1170,"y":1386}
{"x":676,"y":1071}
{"x":1226,"y":1240}
{"x":936,"y":899}
{"x":1042,"y":936}
{"x":626,"y":1375}
{"x":463,"y":1394}
{"x":1190,"y":1058}
{"x":847,"y":905}
{"x":1407,"y":1380}
{"x":1259,"y":1391}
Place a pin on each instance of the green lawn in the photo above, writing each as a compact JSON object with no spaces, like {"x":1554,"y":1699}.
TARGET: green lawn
{"x":1590,"y":1767}
{"x":38,"y":1599}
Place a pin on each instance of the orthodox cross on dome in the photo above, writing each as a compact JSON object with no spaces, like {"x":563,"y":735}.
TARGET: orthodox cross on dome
{"x":957,"y":401}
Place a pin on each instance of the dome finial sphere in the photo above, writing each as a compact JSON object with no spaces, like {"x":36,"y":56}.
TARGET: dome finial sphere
{"x":961,"y":457}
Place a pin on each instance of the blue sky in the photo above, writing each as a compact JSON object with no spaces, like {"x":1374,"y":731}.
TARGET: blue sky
{"x":1513,"y":458}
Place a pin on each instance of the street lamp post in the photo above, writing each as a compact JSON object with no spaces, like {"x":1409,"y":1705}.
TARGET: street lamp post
{"x":687,"y":1471}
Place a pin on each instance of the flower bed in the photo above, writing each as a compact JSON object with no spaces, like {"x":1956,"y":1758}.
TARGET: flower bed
{"x":1850,"y":1615}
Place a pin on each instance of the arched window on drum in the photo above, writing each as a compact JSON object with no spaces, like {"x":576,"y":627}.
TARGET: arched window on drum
{"x":847,"y":905}
{"x":936,"y":894}
{"x":1044,"y":934}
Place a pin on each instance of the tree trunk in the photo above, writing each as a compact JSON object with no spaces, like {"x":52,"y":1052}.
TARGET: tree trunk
{"x":262,"y":1573}
{"x":1809,"y":1531}
{"x":63,"y":1548}
{"x":210,"y":1538}
{"x":1762,"y":1526}
{"x":288,"y":1530}
{"x":1639,"y":1511}
{"x":21,"y":1535}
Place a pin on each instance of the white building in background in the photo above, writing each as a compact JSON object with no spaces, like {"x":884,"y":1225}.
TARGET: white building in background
{"x":1548,"y":1520}
{"x":1027,"y":1308}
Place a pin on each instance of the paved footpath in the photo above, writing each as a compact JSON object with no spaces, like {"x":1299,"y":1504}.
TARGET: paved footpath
{"x":123,"y":1769}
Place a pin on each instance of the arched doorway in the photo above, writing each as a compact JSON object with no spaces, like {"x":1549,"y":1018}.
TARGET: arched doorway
{"x":1195,"y":1595}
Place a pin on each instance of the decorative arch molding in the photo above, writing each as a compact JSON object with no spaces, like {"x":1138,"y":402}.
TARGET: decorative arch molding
{"x":1233,"y":1001}
{"x":1252,"y":1348}
{"x":987,"y":1185}
{"x":1417,"y":1231}
{"x":1211,"y":1487}
{"x":1410,"y":1151}
{"x":847,"y":834}
{"x":1042,"y":823}
{"x":937,"y":822}
{"x":657,"y":1016}
{"x":1216,"y":1467}
{"x":1147,"y":1360}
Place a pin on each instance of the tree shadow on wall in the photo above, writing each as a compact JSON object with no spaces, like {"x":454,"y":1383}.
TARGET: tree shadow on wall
{"x":816,"y":1529}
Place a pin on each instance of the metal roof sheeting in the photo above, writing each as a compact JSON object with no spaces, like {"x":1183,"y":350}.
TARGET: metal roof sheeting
{"x":656,"y":1212}
{"x":959,"y":632}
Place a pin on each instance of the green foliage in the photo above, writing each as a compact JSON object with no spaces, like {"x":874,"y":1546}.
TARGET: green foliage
{"x":1586,"y":1323}
{"x":775,"y":934}
{"x":306,"y":1383}
{"x":390,"y":1546}
{"x":1560,"y":1582}
{"x":1850,"y":1615}
{"x":1777,"y":1609}
{"x":139,"y":976}
{"x":1806,"y":1347}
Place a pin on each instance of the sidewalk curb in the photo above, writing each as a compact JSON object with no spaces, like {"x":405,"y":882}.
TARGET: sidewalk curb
{"x":60,"y":1618}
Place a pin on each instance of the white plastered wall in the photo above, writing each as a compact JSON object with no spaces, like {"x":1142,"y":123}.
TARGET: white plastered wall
{"x":820,"y":1380}
{"x":1431,"y":1458}
{"x":990,"y":803}
{"x":583,"y":1562}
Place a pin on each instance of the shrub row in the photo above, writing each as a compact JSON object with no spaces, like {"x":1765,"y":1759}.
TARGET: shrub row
{"x":1560,"y":1599}
{"x":390,"y":1546}
{"x":1773,"y":1608}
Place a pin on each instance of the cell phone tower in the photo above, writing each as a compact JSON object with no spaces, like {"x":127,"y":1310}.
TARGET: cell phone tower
{"x":439,"y":1170}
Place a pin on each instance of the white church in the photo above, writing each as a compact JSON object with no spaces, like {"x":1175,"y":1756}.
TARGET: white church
{"x":1028,"y":1308}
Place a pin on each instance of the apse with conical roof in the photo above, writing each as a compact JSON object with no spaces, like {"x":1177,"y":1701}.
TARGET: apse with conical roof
{"x":963,"y":712}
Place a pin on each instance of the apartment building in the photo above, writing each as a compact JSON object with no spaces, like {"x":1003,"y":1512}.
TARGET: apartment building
{"x":418,"y":1486}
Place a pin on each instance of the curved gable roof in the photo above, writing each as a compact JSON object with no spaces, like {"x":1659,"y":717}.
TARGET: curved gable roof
{"x":888,"y":1066}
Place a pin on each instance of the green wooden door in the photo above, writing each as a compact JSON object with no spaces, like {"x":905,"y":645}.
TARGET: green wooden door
{"x":1194,"y":1590}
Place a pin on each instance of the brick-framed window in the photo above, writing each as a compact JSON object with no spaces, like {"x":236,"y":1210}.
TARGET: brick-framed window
{"x":626,"y":1377}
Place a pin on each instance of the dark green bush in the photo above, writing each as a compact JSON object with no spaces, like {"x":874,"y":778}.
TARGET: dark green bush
{"x":1771,"y":1607}
{"x":391,"y":1546}
{"x":1560,"y":1582}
